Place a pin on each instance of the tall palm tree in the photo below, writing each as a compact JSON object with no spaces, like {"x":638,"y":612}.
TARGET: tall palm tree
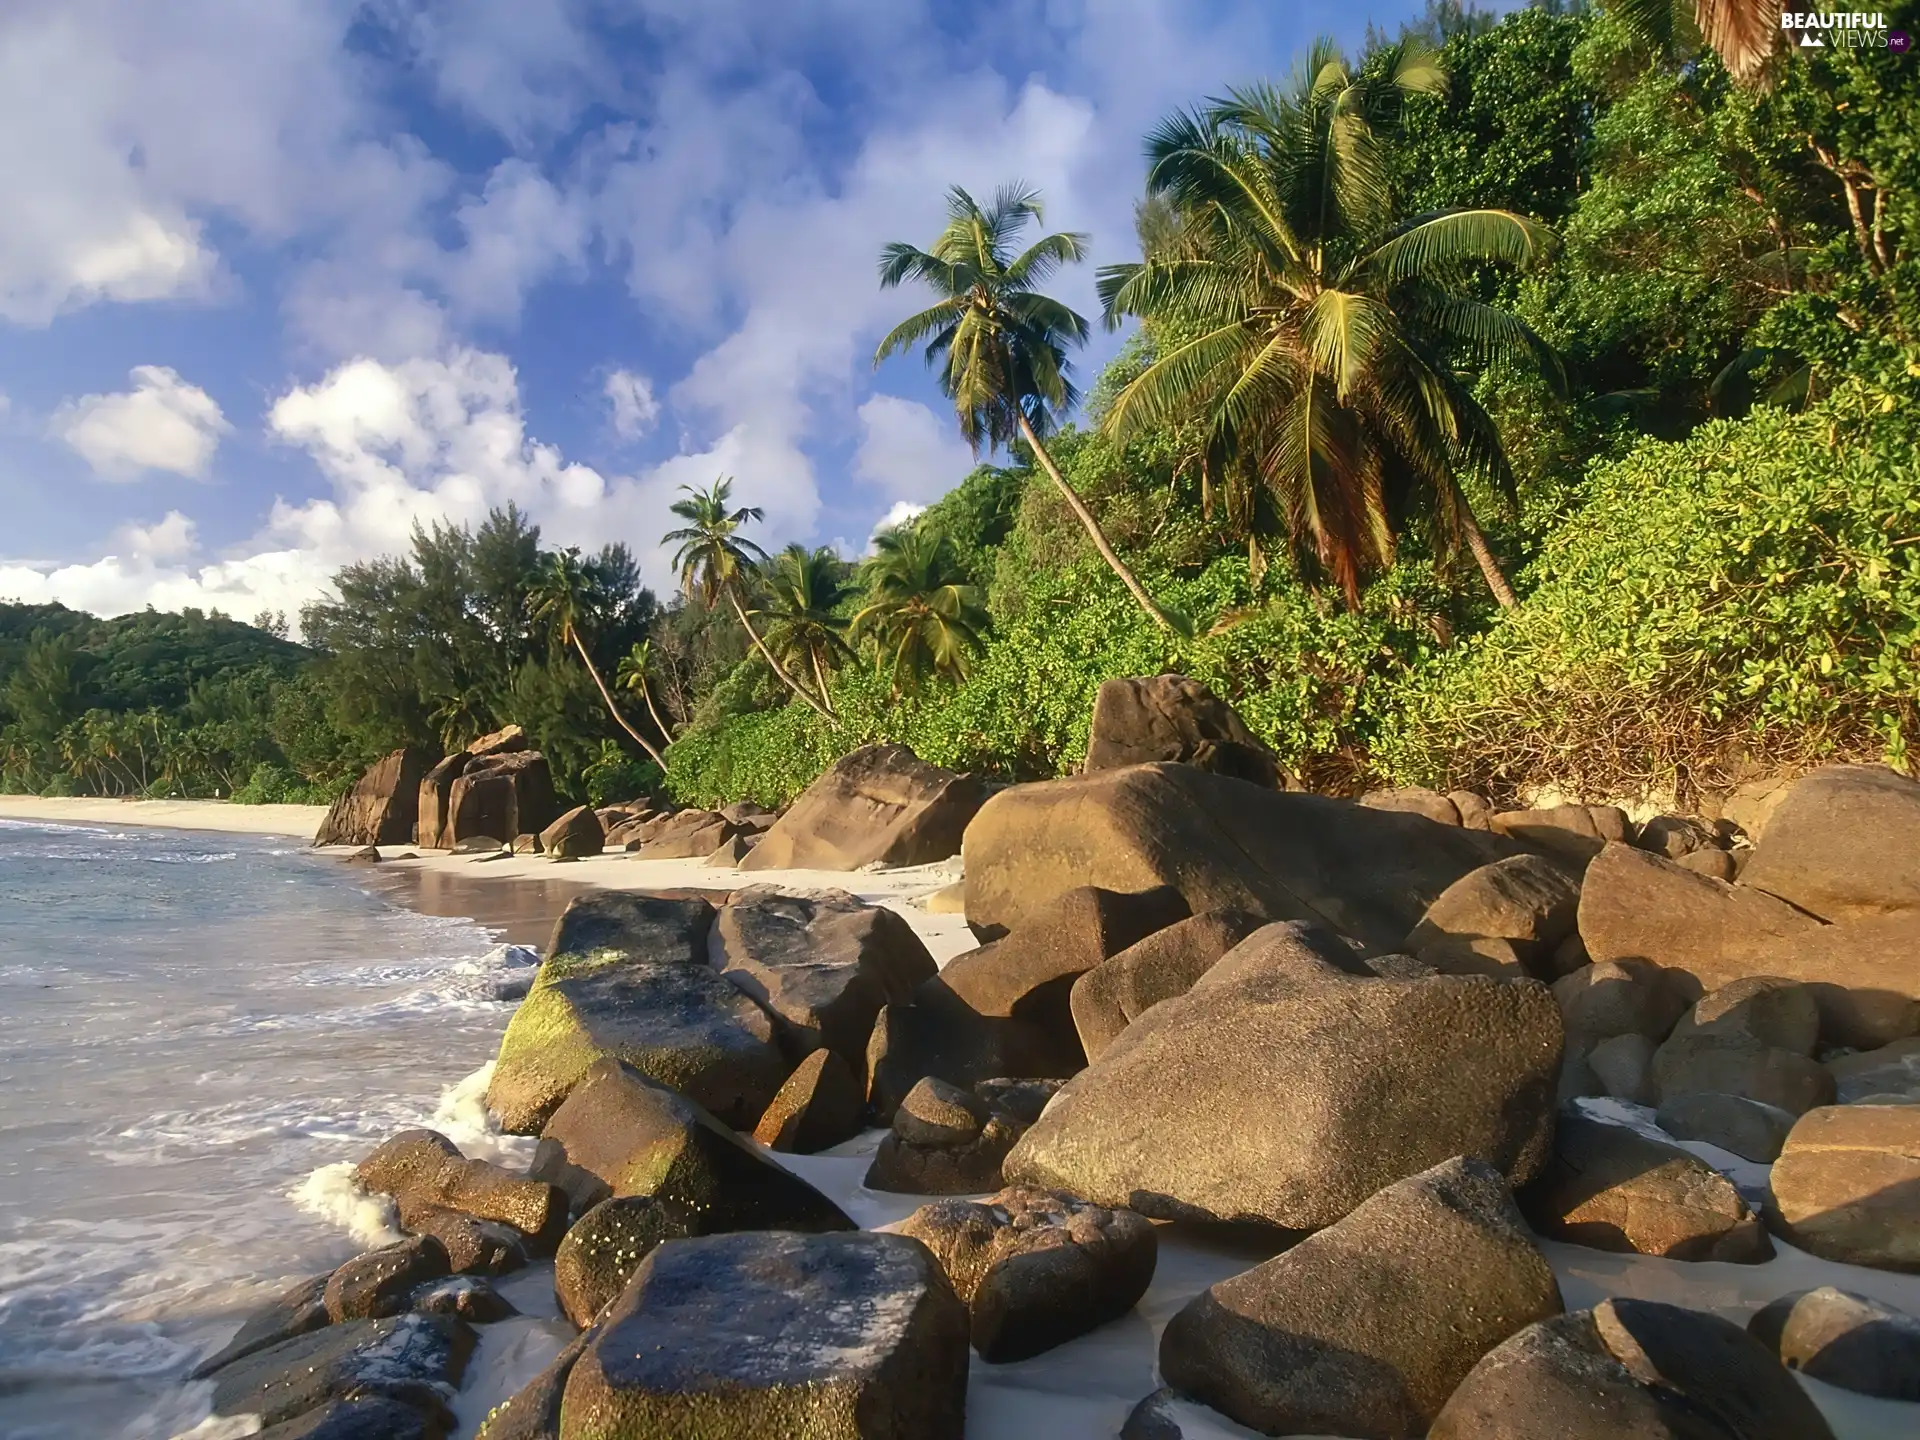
{"x":805,"y":588}
{"x":560,"y":598}
{"x":714,"y":560}
{"x":636,"y":673}
{"x":1001,"y":342}
{"x":1745,"y":34}
{"x":1313,"y":330}
{"x":922,"y":615}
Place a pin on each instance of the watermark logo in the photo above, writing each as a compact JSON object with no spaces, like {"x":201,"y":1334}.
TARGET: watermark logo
{"x":1844,"y":30}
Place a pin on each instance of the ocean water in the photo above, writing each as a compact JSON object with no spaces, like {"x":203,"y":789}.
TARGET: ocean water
{"x":192,"y":1026}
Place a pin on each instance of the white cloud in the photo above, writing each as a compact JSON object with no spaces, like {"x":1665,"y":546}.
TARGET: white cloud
{"x":908,"y":451}
{"x":900,"y":514}
{"x":169,"y":538}
{"x":630,"y":399}
{"x":163,"y":423}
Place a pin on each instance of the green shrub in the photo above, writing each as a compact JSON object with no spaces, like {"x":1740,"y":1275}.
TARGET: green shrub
{"x":272,"y":784}
{"x":1748,"y":595}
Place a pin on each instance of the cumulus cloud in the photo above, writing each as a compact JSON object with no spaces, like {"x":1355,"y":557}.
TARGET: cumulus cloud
{"x":169,"y":538}
{"x":163,"y":423}
{"x":908,"y":451}
{"x":633,"y":410}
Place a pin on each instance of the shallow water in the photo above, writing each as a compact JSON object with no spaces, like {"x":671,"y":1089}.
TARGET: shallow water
{"x":190,"y":1025}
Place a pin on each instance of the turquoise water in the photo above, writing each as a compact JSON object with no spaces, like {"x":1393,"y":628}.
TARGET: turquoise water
{"x":190,"y":1024}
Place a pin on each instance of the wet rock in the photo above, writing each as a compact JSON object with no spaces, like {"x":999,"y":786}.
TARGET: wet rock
{"x":626,"y":977}
{"x":604,"y":1248}
{"x":296,"y":1311}
{"x":1116,"y":992}
{"x":371,"y":1417}
{"x":1170,"y":717}
{"x":1608,"y":1188}
{"x":1221,"y":843}
{"x":1524,"y":900}
{"x":533,"y":1412}
{"x":476,"y":1247}
{"x":1036,"y":1268}
{"x":881,"y":804}
{"x":381,"y":1282}
{"x":1889,"y":1070}
{"x":619,"y":1133}
{"x":1414,"y":800}
{"x":407,"y":1358}
{"x":1852,"y":1341}
{"x":1847,"y":1185}
{"x":1178,"y":1118}
{"x":1630,"y":1370}
{"x":473,"y":1300}
{"x":820,"y":1106}
{"x":1844,"y":844}
{"x":1744,"y":1127}
{"x":834,"y":1337}
{"x":426,"y":1173}
{"x":574,"y":835}
{"x":1366,"y":1327}
{"x":1735,"y":1064}
{"x":383,"y":806}
{"x":822,"y":965}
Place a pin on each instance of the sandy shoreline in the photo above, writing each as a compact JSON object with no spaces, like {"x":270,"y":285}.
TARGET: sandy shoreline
{"x":301,"y":821}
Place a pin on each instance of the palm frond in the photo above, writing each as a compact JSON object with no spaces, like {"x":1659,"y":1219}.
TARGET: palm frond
{"x":1429,"y":243}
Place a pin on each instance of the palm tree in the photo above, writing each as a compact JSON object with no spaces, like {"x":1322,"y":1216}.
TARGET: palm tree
{"x":805,"y":588}
{"x":923,"y":616}
{"x":560,"y":598}
{"x":713,"y":560}
{"x":1743,"y":33}
{"x":1002,"y":342}
{"x":635,"y":673}
{"x":1309,"y":327}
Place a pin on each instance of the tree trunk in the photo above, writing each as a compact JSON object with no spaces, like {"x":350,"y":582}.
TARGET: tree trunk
{"x":767,"y":655}
{"x":647,"y":694}
{"x":820,"y":678}
{"x":1489,"y":567}
{"x":1094,"y":532}
{"x":613,"y":709}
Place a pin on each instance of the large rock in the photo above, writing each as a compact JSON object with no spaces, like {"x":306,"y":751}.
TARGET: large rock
{"x":365,"y":1417}
{"x":381,"y":1282}
{"x":1852,"y":1341}
{"x":533,"y":1412}
{"x":501,"y":796}
{"x":822,"y":1104}
{"x":1627,"y":997}
{"x":296,"y":1311}
{"x":1892,"y":1070}
{"x":1260,"y":1094}
{"x":1036,"y":1268}
{"x":426,"y":1174}
{"x":1862,"y":974}
{"x":621,"y":1134}
{"x":1630,"y":1370}
{"x":404,"y":1358}
{"x":1169,"y":717}
{"x":1118,"y":991}
{"x":433,"y":808}
{"x":1743,"y":1127}
{"x":1575,"y":833}
{"x":1223,"y":844}
{"x":381,"y":808}
{"x":945,"y":1141}
{"x":604,"y":1248}
{"x":1714,"y":1064}
{"x":1028,"y":974}
{"x":1608,"y":1188}
{"x":1843,"y":844}
{"x":1762,"y":1008}
{"x":685,"y":835}
{"x":881,"y":804}
{"x":937,"y":1033}
{"x":1526,"y":901}
{"x":1366,"y":1327}
{"x":1847,"y":1185}
{"x":1416,"y":800}
{"x":626,"y":976}
{"x":822,"y":965}
{"x":831,"y":1337}
{"x":574,"y":836}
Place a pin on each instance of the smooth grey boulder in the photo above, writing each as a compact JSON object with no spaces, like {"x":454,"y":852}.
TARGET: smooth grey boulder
{"x":1119,"y":990}
{"x":406,"y":1358}
{"x":831,"y":1337}
{"x":1260,"y":1094}
{"x":1609,"y":1188}
{"x":1630,"y":1370}
{"x":1746,"y":1128}
{"x":1036,"y":1268}
{"x":1853,"y":1341}
{"x":878,"y":804}
{"x":822,"y":965}
{"x":1366,"y":1327}
{"x":574,"y":836}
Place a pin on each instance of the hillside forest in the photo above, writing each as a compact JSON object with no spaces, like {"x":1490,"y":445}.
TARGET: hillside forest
{"x":1519,"y":401}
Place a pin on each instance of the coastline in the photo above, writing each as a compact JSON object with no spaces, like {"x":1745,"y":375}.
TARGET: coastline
{"x":299,"y":821}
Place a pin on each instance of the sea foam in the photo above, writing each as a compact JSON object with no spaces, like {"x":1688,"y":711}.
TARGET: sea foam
{"x":332,"y":1193}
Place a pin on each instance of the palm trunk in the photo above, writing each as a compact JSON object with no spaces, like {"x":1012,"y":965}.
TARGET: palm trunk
{"x":1094,"y":532}
{"x":1489,"y":567}
{"x":820,"y":679}
{"x":613,"y":709}
{"x":767,"y":655}
{"x":646,"y":694}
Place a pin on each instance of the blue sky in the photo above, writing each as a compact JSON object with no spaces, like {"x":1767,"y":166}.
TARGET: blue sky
{"x":281,"y":278}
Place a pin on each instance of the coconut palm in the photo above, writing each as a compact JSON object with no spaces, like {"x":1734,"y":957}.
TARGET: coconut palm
{"x":1744,"y":33}
{"x":1311,"y":329}
{"x":923,"y":617}
{"x":560,"y":598}
{"x":805,"y":588}
{"x":635,"y":674}
{"x":1002,"y":345}
{"x":714,"y":560}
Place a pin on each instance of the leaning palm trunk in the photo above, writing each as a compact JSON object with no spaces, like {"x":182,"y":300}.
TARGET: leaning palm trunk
{"x":767,"y":655}
{"x":1489,"y":566}
{"x":613,"y":709}
{"x":1094,"y":532}
{"x":646,"y":693}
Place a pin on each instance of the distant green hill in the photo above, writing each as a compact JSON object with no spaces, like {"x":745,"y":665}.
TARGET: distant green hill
{"x":148,"y":659}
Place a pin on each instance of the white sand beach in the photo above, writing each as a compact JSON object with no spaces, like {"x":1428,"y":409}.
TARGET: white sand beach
{"x":294,"y":820}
